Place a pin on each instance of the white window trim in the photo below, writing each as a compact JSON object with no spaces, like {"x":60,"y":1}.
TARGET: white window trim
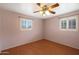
{"x":21,"y":19}
{"x":67,"y":19}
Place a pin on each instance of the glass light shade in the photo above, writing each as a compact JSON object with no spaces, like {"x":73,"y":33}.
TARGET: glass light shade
{"x":47,"y":13}
{"x":43,"y":14}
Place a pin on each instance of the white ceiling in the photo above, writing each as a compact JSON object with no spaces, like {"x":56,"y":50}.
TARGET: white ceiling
{"x":29,"y":8}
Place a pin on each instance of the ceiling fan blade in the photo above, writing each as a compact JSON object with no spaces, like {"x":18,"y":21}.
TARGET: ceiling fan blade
{"x":55,"y":5}
{"x":36,"y":11}
{"x":39,"y":4}
{"x":52,"y":12}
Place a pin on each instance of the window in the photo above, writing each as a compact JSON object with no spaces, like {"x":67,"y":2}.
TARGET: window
{"x":63,"y":24}
{"x":69,"y":23}
{"x":25,"y":24}
{"x":72,"y":24}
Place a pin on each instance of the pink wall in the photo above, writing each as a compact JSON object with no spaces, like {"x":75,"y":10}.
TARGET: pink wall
{"x":53,"y":33}
{"x":10,"y":34}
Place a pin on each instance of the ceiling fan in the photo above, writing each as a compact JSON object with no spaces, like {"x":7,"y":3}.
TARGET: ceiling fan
{"x":46,"y":8}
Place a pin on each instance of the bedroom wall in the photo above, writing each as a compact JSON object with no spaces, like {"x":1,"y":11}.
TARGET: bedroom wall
{"x":10,"y":33}
{"x":53,"y":33}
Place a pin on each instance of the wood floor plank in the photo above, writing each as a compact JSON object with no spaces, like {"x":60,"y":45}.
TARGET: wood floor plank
{"x":42,"y":47}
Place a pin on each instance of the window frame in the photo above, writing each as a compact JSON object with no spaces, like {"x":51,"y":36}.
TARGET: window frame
{"x":25,"y":19}
{"x":60,"y":25}
{"x":67,"y":20}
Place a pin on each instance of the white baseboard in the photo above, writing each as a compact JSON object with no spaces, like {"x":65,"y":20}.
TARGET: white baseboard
{"x":20,"y":44}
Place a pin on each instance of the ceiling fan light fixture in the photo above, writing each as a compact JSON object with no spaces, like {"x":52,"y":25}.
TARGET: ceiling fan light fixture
{"x":46,"y":10}
{"x":43,"y":14}
{"x":47,"y":13}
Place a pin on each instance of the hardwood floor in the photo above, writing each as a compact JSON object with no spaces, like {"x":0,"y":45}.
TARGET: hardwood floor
{"x":42,"y":47}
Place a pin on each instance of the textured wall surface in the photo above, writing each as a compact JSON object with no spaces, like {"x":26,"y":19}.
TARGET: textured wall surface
{"x":53,"y":32}
{"x":10,"y":33}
